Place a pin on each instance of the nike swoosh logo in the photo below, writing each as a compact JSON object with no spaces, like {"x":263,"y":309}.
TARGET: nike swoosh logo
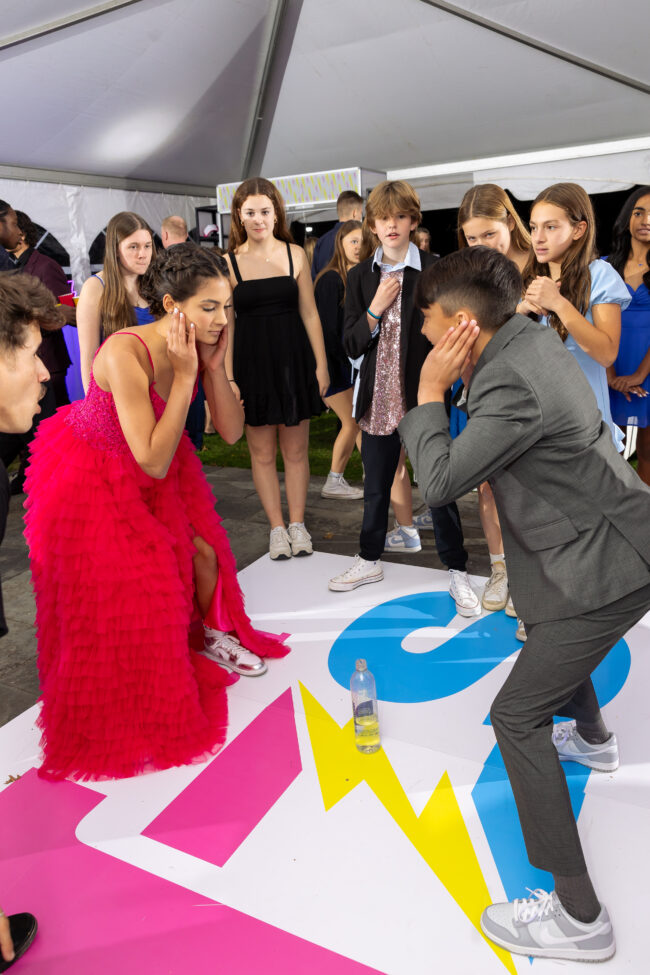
{"x":547,"y":939}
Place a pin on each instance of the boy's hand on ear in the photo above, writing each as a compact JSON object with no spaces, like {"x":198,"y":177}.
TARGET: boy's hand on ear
{"x":444,"y":364}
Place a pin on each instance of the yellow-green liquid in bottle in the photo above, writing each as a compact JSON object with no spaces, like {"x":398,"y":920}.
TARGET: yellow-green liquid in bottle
{"x":366,"y":733}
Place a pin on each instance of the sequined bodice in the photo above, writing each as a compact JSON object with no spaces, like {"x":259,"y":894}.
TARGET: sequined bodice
{"x":388,"y":404}
{"x":95,"y":420}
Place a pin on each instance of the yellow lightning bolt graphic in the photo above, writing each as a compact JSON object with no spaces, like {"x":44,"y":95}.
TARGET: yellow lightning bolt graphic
{"x":439,"y":833}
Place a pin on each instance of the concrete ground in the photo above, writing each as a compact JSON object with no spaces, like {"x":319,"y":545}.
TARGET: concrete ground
{"x":334,"y":527}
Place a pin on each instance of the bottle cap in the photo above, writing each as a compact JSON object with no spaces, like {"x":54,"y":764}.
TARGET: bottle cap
{"x":362,"y":665}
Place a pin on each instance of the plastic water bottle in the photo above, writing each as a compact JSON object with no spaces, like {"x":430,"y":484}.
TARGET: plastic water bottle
{"x":364,"y":709}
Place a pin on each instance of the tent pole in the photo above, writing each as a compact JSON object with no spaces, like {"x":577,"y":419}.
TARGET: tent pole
{"x":63,"y":22}
{"x":554,"y":52}
{"x":281,"y":24}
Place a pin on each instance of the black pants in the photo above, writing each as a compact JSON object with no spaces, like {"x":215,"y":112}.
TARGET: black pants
{"x":380,"y":456}
{"x":552,"y":677}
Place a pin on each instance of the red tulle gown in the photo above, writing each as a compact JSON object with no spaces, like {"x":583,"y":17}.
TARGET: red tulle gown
{"x":111,"y":556}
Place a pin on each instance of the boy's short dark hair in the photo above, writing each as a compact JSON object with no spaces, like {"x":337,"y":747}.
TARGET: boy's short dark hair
{"x":25,"y":301}
{"x":480,"y":279}
{"x":348,"y":201}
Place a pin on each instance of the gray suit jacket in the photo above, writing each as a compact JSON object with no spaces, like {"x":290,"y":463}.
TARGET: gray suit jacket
{"x":575,"y":517}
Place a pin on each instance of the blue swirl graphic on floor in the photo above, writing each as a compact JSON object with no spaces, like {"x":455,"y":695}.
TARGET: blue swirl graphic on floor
{"x":404,"y":677}
{"x":409,"y":678}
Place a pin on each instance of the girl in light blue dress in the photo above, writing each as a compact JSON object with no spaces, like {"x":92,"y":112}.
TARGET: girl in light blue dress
{"x":577,"y":294}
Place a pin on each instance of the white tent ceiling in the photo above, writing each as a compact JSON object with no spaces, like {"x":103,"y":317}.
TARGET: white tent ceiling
{"x":198,"y":92}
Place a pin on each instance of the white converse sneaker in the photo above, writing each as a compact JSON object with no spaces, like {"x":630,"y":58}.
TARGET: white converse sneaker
{"x":540,"y":926}
{"x":300,"y":539}
{"x":337,"y":487}
{"x":572,"y":747}
{"x":495,"y":594}
{"x":510,"y":608}
{"x":460,"y":590}
{"x":228,"y":651}
{"x":279,"y":544}
{"x":360,"y":573}
{"x":520,"y":632}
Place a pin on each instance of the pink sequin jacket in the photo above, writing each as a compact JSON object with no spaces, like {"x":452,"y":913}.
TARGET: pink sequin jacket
{"x":362,"y":283}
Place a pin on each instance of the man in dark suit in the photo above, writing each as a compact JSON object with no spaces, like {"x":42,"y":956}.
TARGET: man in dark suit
{"x":576,"y":527}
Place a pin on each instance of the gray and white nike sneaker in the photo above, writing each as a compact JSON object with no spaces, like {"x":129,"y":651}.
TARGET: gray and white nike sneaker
{"x":540,"y":927}
{"x":572,"y":747}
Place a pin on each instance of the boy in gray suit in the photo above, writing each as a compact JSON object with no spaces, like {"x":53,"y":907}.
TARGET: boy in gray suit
{"x":576,"y":528}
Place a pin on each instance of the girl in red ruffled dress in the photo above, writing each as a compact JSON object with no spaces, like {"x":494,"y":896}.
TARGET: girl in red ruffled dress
{"x":127,"y":552}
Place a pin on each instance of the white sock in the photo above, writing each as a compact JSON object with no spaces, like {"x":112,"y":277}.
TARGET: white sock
{"x":335,"y":474}
{"x":497,"y":558}
{"x":296,"y":524}
{"x":408,"y":528}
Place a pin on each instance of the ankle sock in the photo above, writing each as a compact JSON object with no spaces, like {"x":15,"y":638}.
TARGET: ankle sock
{"x":578,"y":897}
{"x":411,"y":529}
{"x":497,"y":558}
{"x":595,"y":732}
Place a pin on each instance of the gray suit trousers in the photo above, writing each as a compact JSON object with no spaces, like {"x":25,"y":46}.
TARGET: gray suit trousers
{"x":552,"y":677}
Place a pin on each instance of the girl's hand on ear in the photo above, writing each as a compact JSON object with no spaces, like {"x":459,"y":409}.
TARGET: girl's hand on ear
{"x":181,"y":347}
{"x":213,"y":356}
{"x":545,"y":293}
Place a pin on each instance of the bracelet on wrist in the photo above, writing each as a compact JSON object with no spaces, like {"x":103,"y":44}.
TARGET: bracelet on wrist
{"x":377,"y":318}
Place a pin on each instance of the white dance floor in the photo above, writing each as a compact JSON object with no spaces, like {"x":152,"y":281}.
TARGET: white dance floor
{"x":290,"y":852}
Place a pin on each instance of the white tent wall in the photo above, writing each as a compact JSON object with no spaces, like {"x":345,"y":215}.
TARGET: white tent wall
{"x":76,"y":214}
{"x":606,"y":173}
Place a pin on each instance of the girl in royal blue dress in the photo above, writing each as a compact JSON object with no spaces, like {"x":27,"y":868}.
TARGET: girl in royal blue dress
{"x":577,"y":294}
{"x":629,"y":377}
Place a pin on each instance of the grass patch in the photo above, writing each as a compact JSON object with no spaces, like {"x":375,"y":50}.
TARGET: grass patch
{"x":322,"y":434}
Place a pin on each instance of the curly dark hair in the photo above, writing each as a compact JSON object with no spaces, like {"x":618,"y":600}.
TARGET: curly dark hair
{"x":179,"y":271}
{"x":621,"y":237}
{"x":28,"y":229}
{"x":25,"y":301}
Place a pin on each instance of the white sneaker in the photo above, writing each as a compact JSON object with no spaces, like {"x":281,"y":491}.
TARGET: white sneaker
{"x":539,"y":926}
{"x":337,"y":487}
{"x":279,"y":544}
{"x":520,"y":632}
{"x":460,"y":590}
{"x":360,"y":573}
{"x":228,"y":651}
{"x":495,"y":594}
{"x":510,"y":608}
{"x":300,"y":539}
{"x":403,"y":538}
{"x":572,"y":747}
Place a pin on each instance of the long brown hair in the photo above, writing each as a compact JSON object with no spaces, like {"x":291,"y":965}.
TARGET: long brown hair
{"x":257,"y":186}
{"x":575,"y":278}
{"x":491,"y":202}
{"x":338,"y":261}
{"x":115,"y":306}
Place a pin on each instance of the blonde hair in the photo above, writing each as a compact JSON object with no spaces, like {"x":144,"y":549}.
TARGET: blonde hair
{"x":491,"y":202}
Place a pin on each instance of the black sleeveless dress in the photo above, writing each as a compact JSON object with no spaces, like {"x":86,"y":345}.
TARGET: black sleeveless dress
{"x":273,"y":362}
